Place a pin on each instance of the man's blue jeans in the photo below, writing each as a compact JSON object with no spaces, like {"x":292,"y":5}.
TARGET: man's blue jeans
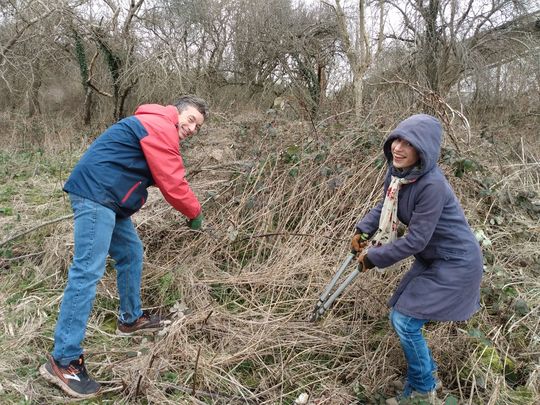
{"x":420,"y":364}
{"x":97,"y":233}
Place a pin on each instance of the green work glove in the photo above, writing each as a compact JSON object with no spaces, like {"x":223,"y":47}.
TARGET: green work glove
{"x":196,"y":223}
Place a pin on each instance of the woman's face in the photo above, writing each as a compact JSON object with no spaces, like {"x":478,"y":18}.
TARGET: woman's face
{"x":403,"y":154}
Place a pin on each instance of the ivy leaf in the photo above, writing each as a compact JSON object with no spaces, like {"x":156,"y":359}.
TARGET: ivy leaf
{"x":451,"y":400}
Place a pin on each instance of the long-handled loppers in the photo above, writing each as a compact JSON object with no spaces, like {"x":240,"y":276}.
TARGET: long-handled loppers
{"x":326,"y":300}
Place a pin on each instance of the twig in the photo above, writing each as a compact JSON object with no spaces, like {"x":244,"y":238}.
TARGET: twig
{"x":35,"y":228}
{"x":332,"y":116}
{"x":196,"y":171}
{"x":266,"y":235}
{"x":445,"y":112}
{"x":194,"y":384}
{"x":140,"y":375}
{"x":12,"y":259}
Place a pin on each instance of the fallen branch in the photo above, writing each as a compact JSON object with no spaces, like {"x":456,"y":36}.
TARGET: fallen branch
{"x":243,"y":164}
{"x":12,"y":238}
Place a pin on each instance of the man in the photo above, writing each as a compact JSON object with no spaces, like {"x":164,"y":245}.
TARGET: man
{"x":106,"y":187}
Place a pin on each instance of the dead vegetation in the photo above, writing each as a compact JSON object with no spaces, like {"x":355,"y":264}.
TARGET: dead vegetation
{"x":280,"y":200}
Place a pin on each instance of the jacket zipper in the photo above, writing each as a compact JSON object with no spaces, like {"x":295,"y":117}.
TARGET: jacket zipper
{"x":130,"y":191}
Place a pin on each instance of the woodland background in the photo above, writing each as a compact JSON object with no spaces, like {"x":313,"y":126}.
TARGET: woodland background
{"x":302,"y":96}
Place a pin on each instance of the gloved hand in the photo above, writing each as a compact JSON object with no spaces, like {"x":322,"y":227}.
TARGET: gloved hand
{"x":196,"y":223}
{"x":359,"y":242}
{"x":363,"y":260}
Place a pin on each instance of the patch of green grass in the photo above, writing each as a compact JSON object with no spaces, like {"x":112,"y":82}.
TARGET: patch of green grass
{"x":25,"y":285}
{"x":15,"y":398}
{"x":170,"y":376}
{"x":168,"y":290}
{"x":246,"y":372}
{"x":6,"y":211}
{"x":521,"y":396}
{"x":106,"y":302}
{"x":27,"y":372}
{"x":20,"y":166}
{"x":6,"y":252}
{"x":7,"y":192}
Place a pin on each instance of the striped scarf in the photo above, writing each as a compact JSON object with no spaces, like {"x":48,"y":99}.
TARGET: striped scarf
{"x":388,"y":222}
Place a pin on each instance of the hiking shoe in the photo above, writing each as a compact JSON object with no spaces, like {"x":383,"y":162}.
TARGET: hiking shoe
{"x":399,"y":385}
{"x":415,"y":398}
{"x":145,"y":324}
{"x":72,"y":379}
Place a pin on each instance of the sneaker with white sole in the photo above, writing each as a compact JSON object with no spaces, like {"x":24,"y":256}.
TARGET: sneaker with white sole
{"x":73,"y":379}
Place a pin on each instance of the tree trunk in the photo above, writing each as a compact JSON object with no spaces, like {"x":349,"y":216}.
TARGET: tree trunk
{"x":359,"y":54}
{"x":358,"y":94}
{"x":87,"y":119}
{"x":431,"y":51}
{"x":33,"y":91}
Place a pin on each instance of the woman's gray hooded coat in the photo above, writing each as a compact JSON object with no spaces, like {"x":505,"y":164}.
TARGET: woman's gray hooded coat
{"x":444,"y":281}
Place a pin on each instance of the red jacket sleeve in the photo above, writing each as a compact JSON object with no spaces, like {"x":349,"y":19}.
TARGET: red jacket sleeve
{"x":161,"y":150}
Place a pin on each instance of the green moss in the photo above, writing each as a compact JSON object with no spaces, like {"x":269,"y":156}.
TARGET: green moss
{"x":489,"y":358}
{"x":109,"y":324}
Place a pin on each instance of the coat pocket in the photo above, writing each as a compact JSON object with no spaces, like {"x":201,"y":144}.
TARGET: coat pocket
{"x":135,"y":197}
{"x":130,"y":192}
{"x":446,"y":253}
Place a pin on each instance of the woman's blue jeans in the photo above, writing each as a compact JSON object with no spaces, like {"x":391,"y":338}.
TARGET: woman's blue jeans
{"x":420,"y":364}
{"x":98,"y":232}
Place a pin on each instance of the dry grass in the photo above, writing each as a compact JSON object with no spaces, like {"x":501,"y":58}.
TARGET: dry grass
{"x":280,"y":203}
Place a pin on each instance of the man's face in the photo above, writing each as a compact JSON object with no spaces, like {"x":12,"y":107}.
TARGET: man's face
{"x":189,"y":122}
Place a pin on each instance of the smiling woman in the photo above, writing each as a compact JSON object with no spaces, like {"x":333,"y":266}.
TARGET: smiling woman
{"x":404,"y":155}
{"x":443,"y":283}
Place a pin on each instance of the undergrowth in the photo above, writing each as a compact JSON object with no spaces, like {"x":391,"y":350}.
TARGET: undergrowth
{"x":280,"y":201}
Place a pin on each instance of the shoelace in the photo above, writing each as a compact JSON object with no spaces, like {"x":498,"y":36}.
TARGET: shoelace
{"x":78,"y":368}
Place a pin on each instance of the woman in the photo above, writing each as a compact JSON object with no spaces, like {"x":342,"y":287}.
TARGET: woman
{"x":443,"y":283}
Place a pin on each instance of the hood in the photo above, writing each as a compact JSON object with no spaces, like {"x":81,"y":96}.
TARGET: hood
{"x":424,"y":133}
{"x":170,"y":112}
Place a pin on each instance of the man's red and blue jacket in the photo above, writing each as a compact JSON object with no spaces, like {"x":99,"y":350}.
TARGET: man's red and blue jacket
{"x":131,"y":155}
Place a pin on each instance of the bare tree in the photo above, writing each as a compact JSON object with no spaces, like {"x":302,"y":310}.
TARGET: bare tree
{"x":445,"y":37}
{"x":307,"y":52}
{"x":358,"y":51}
{"x":23,"y":49}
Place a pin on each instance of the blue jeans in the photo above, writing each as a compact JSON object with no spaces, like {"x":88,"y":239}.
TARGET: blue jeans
{"x":420,"y":364}
{"x":98,"y":232}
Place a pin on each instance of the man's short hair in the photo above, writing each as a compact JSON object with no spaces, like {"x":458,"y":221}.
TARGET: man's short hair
{"x":190,"y":100}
